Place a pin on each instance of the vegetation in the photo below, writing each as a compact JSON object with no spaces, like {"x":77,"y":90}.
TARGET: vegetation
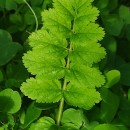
{"x":65,"y":65}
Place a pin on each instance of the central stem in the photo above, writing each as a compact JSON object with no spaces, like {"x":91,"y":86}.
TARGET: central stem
{"x":61,"y":106}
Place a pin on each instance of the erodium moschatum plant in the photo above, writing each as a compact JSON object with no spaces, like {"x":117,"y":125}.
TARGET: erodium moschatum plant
{"x":64,"y":54}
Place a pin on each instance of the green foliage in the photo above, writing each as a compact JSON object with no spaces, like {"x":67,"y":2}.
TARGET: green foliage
{"x":106,"y":127}
{"x":68,"y":57}
{"x":112,"y":77}
{"x":108,"y":114}
{"x":83,"y":77}
{"x":31,"y":115}
{"x":10,"y":101}
{"x":43,"y":123}
{"x":11,"y":47}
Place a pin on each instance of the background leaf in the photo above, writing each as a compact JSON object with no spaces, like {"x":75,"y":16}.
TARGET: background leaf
{"x":32,"y":114}
{"x":10,"y":101}
{"x":8,"y":48}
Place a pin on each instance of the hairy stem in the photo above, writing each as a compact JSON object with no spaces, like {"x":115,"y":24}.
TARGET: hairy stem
{"x":61,"y":106}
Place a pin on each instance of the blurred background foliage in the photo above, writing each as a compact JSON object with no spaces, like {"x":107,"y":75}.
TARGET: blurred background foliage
{"x":16,"y":24}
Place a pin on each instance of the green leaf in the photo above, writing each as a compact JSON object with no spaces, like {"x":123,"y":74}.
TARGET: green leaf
{"x":17,"y":71}
{"x":10,"y":5}
{"x":87,"y":54}
{"x":8,"y":48}
{"x":124,"y":111}
{"x":86,"y":97}
{"x":31,"y":115}
{"x":127,"y":32}
{"x":69,"y":26}
{"x":2,"y":5}
{"x":125,"y":74}
{"x":113,"y":4}
{"x":47,"y":4}
{"x":36,"y":2}
{"x":10,"y":101}
{"x":52,"y":66}
{"x":110,"y":45}
{"x":85,"y":76}
{"x":124,"y":116}
{"x":107,"y":115}
{"x":36,"y":39}
{"x":112,"y":78}
{"x":124,"y":13}
{"x":1,"y":76}
{"x":101,"y":4}
{"x":113,"y":24}
{"x":44,"y":123}
{"x":73,"y":118}
{"x":129,"y":95}
{"x":29,"y":17}
{"x":19,"y":1}
{"x":48,"y":66}
{"x":16,"y":19}
{"x":54,"y":20}
{"x":45,"y":106}
{"x":43,"y":91}
{"x":91,"y":33}
{"x":106,"y":127}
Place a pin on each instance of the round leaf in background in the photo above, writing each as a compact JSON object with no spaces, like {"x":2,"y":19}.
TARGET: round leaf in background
{"x":106,"y":127}
{"x":112,"y":78}
{"x":8,"y":49}
{"x":10,"y":101}
{"x":124,"y":13}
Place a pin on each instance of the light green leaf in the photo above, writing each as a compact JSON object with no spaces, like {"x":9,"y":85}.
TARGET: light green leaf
{"x":85,"y":76}
{"x":106,"y":127}
{"x":86,"y":97}
{"x":88,"y":33}
{"x":45,"y":39}
{"x":44,"y":123}
{"x":57,"y":23}
{"x":43,"y":91}
{"x":69,"y":35}
{"x":87,"y":54}
{"x":50,"y":66}
{"x":73,"y":118}
{"x":10,"y":101}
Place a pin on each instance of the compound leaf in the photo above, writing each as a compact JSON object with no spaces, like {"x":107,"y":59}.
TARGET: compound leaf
{"x":66,"y":47}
